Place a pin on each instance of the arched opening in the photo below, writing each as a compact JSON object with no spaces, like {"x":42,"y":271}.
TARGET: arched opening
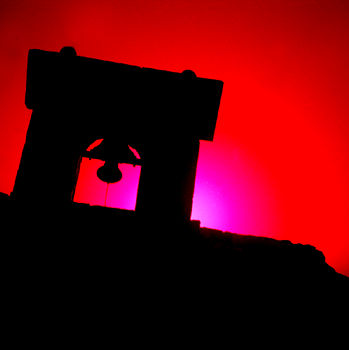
{"x":91,"y":190}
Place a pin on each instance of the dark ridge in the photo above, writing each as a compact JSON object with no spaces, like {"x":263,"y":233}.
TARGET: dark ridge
{"x":112,"y":244}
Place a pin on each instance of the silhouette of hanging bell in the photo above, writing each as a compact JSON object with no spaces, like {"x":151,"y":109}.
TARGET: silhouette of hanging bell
{"x":109,"y":172}
{"x":109,"y":150}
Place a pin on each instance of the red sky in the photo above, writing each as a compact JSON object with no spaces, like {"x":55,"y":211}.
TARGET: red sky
{"x":279,"y":163}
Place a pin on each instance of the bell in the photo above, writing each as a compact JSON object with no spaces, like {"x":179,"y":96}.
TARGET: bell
{"x":110,"y":149}
{"x":109,"y":172}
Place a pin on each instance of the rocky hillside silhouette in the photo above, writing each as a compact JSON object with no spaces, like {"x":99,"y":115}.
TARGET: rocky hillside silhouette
{"x":114,"y":240}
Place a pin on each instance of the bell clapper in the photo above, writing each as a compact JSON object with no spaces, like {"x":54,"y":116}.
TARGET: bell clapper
{"x":106,"y":194}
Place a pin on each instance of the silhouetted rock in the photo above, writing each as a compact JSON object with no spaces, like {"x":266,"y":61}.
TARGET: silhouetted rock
{"x":111,"y":245}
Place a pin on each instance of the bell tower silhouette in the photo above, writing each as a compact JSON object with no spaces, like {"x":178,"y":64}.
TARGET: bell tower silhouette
{"x":76,"y":100}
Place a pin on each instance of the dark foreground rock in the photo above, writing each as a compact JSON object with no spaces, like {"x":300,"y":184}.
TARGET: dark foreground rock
{"x":96,"y":254}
